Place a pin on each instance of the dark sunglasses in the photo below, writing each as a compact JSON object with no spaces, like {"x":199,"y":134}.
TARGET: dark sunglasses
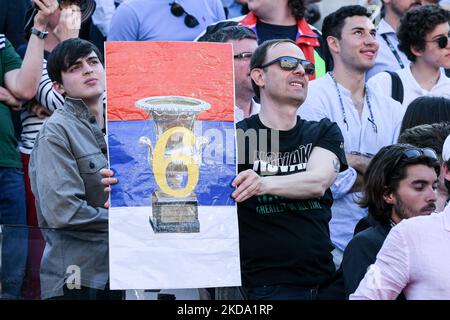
{"x":419,"y":152}
{"x":177,"y":10}
{"x":442,"y":41}
{"x":413,"y":153}
{"x":291,"y":63}
{"x":243,"y":55}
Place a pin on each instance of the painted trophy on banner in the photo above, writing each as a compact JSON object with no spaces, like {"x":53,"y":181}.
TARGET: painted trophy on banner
{"x":174,"y":156}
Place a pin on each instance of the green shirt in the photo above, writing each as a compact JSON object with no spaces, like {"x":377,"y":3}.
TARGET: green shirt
{"x":9,"y":155}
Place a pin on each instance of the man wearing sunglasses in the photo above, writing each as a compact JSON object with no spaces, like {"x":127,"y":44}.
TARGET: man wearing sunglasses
{"x":414,"y":258}
{"x":423,"y":34}
{"x":244,"y":44}
{"x":368,"y":119}
{"x":284,"y":19}
{"x":400,"y":183}
{"x":163,"y":20}
{"x":282,"y":188}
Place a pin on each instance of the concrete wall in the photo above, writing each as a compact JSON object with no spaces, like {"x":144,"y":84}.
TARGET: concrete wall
{"x":328,"y":6}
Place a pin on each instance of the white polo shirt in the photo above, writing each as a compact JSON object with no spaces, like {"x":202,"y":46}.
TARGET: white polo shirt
{"x":382,"y":82}
{"x":386,"y":59}
{"x":323,"y":101}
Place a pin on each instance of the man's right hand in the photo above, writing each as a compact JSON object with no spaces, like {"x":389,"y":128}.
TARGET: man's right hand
{"x":8,"y":98}
{"x":248,"y":183}
{"x":46,"y":9}
{"x":358,"y":162}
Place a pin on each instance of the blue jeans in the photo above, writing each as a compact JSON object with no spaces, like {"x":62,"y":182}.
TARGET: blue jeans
{"x":278,"y":292}
{"x":14,"y":232}
{"x":333,"y":291}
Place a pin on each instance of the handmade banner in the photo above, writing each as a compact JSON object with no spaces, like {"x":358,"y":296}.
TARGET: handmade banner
{"x":171,"y":139}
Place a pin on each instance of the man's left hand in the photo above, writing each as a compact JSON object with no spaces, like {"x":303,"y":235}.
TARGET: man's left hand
{"x":108,"y":181}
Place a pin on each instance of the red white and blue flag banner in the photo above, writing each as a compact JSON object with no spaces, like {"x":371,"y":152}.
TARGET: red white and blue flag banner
{"x":171,"y":140}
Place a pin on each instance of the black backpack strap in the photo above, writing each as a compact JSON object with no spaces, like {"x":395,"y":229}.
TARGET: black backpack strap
{"x":397,"y":86}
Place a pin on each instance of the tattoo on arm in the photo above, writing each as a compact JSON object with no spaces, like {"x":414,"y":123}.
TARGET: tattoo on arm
{"x":336,"y":165}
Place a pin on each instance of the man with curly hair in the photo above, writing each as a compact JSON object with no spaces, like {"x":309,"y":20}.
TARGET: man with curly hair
{"x":284,"y":19}
{"x":423,"y":37}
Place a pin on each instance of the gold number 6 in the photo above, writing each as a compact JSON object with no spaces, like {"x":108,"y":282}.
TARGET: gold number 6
{"x":160,"y":163}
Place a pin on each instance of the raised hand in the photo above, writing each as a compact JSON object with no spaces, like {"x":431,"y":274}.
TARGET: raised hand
{"x":69,"y":23}
{"x":46,"y":9}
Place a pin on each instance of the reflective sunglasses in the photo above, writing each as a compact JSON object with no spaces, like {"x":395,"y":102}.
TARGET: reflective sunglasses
{"x":291,"y":63}
{"x":413,"y":153}
{"x":177,"y":10}
{"x":243,"y":55}
{"x":442,"y":41}
{"x":419,"y":152}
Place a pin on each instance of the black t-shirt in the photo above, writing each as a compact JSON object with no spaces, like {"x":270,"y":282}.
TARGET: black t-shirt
{"x":271,"y":31}
{"x":286,"y":241}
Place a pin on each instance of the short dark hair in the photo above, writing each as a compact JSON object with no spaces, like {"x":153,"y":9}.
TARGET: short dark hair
{"x":230,"y":33}
{"x":427,"y":136}
{"x":426,"y":110}
{"x":66,"y":53}
{"x":297,"y":8}
{"x":415,"y":24}
{"x":259,"y":57}
{"x":383,"y":176}
{"x":213,"y":28}
{"x":334,"y":23}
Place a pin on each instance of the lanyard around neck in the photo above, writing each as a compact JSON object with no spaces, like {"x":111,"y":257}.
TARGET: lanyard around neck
{"x":371,"y":119}
{"x":394,"y":51}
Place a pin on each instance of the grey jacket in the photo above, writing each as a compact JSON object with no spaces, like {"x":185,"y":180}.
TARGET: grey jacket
{"x":64,"y":173}
{"x":64,"y":169}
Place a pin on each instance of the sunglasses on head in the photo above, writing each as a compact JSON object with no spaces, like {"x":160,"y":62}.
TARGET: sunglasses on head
{"x":413,"y":153}
{"x":291,"y":63}
{"x":177,"y":10}
{"x":243,"y":55}
{"x":419,"y":152}
{"x":442,"y":41}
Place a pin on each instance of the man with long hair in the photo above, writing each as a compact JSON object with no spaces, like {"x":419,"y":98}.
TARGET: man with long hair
{"x":400,"y":183}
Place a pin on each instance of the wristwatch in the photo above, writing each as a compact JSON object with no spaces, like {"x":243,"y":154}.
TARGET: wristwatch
{"x":39,"y":34}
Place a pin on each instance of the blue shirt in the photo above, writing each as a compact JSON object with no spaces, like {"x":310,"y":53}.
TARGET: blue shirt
{"x":234,"y":8}
{"x":152,"y":20}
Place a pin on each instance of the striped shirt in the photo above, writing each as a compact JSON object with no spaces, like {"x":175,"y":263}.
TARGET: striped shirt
{"x":31,"y":124}
{"x":2,"y":41}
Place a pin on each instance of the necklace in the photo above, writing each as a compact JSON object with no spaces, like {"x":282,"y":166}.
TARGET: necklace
{"x":394,"y":52}
{"x":371,"y":119}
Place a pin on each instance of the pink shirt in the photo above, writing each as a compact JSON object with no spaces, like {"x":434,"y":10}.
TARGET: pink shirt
{"x":415,"y":259}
